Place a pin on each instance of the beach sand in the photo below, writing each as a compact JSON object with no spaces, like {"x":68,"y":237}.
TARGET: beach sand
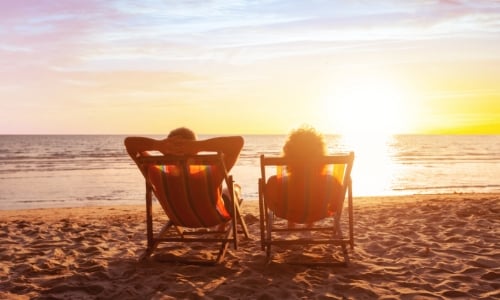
{"x":410,"y":247}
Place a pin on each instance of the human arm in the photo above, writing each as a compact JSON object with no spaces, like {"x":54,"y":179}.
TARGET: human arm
{"x":271,"y":193}
{"x":137,"y":146}
{"x":230,"y":146}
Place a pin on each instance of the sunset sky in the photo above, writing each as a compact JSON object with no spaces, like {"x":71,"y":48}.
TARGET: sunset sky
{"x":249,"y":67}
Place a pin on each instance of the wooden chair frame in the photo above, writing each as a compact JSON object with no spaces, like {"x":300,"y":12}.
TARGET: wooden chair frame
{"x":176,"y":233}
{"x":268,"y":227}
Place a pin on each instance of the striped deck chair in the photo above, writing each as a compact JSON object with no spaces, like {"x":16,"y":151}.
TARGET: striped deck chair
{"x":189,"y":190}
{"x":315,"y":200}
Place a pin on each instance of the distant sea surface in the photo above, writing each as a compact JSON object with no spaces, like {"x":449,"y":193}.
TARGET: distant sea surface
{"x":90,"y":170}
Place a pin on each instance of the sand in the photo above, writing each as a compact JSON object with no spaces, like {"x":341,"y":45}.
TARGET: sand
{"x":411,"y":247}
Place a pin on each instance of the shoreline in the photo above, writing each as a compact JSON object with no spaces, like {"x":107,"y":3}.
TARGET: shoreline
{"x":358,"y":200}
{"x":417,"y":246}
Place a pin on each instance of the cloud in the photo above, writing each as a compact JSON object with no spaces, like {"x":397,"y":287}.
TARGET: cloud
{"x":97,"y":35}
{"x":84,"y":54}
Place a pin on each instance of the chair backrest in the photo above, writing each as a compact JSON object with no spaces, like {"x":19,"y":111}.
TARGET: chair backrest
{"x":306,"y":195}
{"x":188,"y":187}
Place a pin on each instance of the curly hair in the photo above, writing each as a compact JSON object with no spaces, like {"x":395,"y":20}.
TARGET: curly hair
{"x":304,"y":144}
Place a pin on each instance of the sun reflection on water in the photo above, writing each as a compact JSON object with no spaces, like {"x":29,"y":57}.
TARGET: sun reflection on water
{"x":374,"y":168}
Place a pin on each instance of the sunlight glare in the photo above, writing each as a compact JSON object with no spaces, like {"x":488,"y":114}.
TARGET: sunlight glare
{"x":366,"y":110}
{"x":374,"y":166}
{"x":367,"y":104}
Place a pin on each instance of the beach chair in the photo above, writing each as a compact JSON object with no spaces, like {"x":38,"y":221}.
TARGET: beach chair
{"x":196,"y":211}
{"x":307,"y":203}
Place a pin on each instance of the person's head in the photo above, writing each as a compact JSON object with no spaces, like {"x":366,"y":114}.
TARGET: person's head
{"x":182,"y":132}
{"x":304,"y":144}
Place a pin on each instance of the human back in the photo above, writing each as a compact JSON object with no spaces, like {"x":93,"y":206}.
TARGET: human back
{"x":204,"y":182}
{"x":303,"y":191}
{"x":182,"y":141}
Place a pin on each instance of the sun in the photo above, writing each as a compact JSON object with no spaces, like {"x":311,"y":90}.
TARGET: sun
{"x":367,"y":105}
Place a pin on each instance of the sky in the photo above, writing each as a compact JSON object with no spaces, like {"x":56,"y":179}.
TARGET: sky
{"x":249,"y":67}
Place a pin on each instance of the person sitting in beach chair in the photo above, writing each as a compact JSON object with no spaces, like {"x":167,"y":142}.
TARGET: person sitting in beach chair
{"x":308,"y":186}
{"x":188,"y":185}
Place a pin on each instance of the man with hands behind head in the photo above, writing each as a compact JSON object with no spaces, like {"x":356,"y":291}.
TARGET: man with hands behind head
{"x":183,"y":141}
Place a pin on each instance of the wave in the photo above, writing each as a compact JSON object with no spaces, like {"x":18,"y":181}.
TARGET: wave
{"x":447,"y":187}
{"x":90,"y":169}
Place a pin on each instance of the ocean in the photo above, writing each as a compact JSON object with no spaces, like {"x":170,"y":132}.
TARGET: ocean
{"x":45,"y":171}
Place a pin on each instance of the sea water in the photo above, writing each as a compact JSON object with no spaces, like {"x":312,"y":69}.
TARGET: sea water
{"x":90,"y":170}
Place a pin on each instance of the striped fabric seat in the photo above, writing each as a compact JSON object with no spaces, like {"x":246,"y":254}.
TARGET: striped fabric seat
{"x":313,"y":190}
{"x":307,"y":197}
{"x":189,"y":190}
{"x":189,"y":195}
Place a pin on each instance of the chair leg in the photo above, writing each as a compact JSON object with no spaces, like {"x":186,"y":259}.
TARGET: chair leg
{"x":268,"y":241}
{"x":262,"y":216}
{"x":345,"y":253}
{"x":224,"y":246}
{"x":153,"y":244}
{"x":242,"y":223}
{"x":268,"y":254}
{"x":146,"y":254}
{"x":337,"y":234}
{"x":351,"y":215}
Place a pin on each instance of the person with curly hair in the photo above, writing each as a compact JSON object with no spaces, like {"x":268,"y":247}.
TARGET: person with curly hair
{"x":303,"y":174}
